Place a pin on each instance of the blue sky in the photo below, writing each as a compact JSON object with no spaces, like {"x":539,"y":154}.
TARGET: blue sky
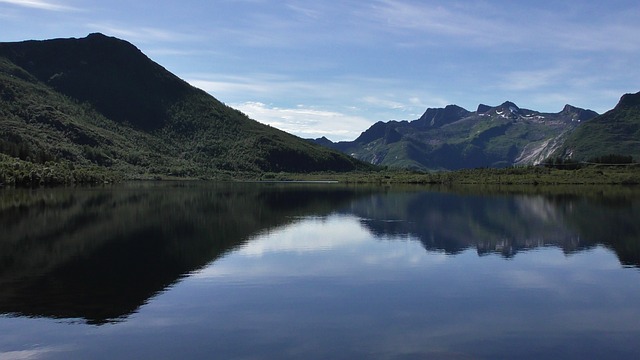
{"x":333,"y":68}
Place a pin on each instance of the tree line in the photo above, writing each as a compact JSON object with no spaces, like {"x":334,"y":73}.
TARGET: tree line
{"x":570,"y":164}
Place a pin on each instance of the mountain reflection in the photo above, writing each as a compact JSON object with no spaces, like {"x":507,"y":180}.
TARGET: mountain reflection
{"x":99,"y":254}
{"x":506,"y":224}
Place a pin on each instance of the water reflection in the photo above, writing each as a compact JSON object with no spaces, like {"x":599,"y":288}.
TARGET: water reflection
{"x":100,"y":254}
{"x":452,"y":223}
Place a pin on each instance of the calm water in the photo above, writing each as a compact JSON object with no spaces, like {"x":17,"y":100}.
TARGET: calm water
{"x":272,"y":271}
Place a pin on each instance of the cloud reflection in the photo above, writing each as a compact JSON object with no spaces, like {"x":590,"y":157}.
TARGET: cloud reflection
{"x":32,"y":354}
{"x":271,"y":254}
{"x":308,"y":235}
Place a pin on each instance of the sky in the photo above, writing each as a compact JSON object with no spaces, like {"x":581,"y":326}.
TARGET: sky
{"x":333,"y":68}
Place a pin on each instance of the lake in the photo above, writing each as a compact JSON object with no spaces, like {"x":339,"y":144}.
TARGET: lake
{"x":189,"y":270}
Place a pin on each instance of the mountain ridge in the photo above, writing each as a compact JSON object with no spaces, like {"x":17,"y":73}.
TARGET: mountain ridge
{"x":453,"y":138}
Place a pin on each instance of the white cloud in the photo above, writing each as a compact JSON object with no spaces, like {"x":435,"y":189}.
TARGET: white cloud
{"x":40,"y":4}
{"x":355,"y":103}
{"x":305,"y":121}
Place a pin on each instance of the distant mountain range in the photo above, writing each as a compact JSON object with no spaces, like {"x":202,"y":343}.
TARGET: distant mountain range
{"x":454,"y":138}
{"x":99,"y":101}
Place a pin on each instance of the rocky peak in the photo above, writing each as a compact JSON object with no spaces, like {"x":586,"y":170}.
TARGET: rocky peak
{"x":376,"y":131}
{"x":576,"y":113}
{"x":441,"y":116}
{"x":506,"y":110}
{"x":629,"y":100}
{"x":482,"y":108}
{"x":323,"y":141}
{"x":510,"y":107}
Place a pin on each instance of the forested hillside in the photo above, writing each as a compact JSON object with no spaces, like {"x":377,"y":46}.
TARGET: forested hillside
{"x":98,"y":105}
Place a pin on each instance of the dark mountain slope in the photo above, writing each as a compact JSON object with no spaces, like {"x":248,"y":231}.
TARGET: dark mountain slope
{"x":615,"y":132}
{"x":99,"y":100}
{"x":111,"y":74}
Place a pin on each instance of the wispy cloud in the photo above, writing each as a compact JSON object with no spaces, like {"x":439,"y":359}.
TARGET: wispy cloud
{"x":619,"y":37}
{"x":40,"y":4}
{"x":573,"y":81}
{"x":533,"y":79}
{"x":173,"y":52}
{"x":305,"y":10}
{"x":394,"y":105}
{"x":141,"y":34}
{"x":405,"y":102}
{"x":438,"y":20}
{"x":296,"y":24}
{"x":483,"y":24}
{"x":251,"y":86}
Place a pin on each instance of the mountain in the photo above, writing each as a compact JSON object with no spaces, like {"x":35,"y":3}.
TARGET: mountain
{"x":615,"y":132}
{"x":454,"y":138}
{"x":100,"y":102}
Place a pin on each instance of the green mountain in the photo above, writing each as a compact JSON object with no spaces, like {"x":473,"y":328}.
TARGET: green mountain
{"x":100,"y":103}
{"x":615,"y":132}
{"x":453,"y":138}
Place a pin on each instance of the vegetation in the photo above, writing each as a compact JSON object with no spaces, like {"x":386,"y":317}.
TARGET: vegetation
{"x":526,"y":175}
{"x":16,"y":172}
{"x":560,"y":162}
{"x":613,"y":159}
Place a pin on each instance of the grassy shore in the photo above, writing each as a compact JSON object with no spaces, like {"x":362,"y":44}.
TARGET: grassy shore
{"x":15,"y":172}
{"x":591,"y":175}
